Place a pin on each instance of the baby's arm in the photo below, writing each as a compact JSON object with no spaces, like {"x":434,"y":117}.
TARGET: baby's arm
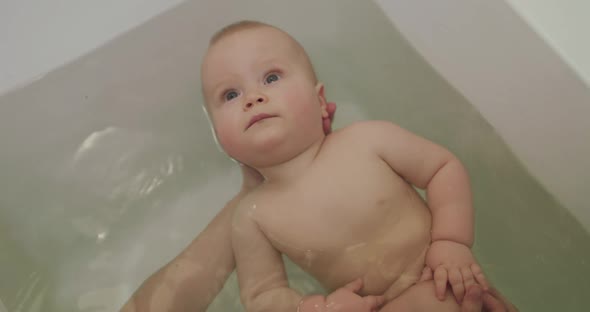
{"x":432,"y":167}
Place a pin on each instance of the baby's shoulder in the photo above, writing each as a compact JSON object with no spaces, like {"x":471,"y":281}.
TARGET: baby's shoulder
{"x":364,"y":133}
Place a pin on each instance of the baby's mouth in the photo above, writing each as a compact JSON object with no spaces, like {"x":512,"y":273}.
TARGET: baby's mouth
{"x":257,"y":118}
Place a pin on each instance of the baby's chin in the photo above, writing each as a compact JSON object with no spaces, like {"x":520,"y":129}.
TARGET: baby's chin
{"x":265,"y":138}
{"x":261,"y":149}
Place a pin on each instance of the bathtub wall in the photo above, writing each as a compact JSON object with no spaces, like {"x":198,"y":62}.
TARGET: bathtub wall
{"x":537,"y":102}
{"x":39,"y":36}
{"x":562,"y":25}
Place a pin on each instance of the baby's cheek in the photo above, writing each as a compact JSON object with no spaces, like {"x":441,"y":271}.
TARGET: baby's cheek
{"x":230,"y":141}
{"x":310,"y":113}
{"x":301,"y":104}
{"x":226,"y":138}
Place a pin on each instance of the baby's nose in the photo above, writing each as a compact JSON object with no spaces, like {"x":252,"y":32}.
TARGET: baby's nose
{"x":257,"y":99}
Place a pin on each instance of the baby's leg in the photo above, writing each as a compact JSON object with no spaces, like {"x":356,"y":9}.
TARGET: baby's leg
{"x":421,"y":298}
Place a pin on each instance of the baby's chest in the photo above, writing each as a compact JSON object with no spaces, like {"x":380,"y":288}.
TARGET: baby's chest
{"x":331,"y":209}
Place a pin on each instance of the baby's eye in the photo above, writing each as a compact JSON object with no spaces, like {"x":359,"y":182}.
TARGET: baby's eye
{"x":271,"y":78}
{"x":230,"y":95}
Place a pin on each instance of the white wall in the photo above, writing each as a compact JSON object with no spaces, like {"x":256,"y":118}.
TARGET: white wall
{"x":519,"y":84}
{"x":37,"y":36}
{"x":564,"y":25}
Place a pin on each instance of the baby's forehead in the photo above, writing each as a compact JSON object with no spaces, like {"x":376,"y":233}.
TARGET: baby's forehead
{"x":265,"y":31}
{"x":261,"y":42}
{"x":262,"y":38}
{"x":257,"y":47}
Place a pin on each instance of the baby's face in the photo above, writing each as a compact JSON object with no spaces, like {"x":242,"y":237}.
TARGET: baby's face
{"x":260,"y":94}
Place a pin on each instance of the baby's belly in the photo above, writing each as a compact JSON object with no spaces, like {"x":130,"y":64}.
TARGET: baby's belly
{"x":389,"y":262}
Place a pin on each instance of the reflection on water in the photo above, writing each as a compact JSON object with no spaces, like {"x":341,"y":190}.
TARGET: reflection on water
{"x":120,"y":206}
{"x":118,"y":168}
{"x":30,"y":295}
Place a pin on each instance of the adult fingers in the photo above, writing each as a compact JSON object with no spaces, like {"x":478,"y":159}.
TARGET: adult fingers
{"x":479,"y":276}
{"x":373,"y":302}
{"x":250,"y":176}
{"x":331,"y":108}
{"x":355,"y":285}
{"x":327,"y":122}
{"x":492,"y":304}
{"x":473,"y":299}
{"x":496,"y":294}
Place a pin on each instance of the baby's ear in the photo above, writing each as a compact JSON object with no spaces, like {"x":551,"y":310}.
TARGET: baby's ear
{"x":319,"y":88}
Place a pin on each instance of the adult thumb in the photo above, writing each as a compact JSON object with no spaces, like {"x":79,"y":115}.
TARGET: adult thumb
{"x":473,"y":300}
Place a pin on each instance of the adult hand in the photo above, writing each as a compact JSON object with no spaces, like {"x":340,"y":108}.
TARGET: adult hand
{"x":344,"y":299}
{"x":476,"y":300}
{"x":327,"y":122}
{"x":250,"y":178}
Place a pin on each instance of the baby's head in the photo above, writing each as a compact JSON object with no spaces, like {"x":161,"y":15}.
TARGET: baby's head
{"x":262,"y":94}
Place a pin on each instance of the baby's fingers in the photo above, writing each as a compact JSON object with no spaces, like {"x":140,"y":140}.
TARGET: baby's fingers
{"x":467,"y":278}
{"x":440,"y":282}
{"x":426,"y":274}
{"x":456,"y":281}
{"x":480,"y":277}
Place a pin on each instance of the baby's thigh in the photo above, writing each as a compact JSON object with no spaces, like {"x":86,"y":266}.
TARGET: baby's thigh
{"x":421,"y":298}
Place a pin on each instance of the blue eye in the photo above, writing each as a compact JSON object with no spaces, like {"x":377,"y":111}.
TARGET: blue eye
{"x":230,"y":95}
{"x":271,"y":78}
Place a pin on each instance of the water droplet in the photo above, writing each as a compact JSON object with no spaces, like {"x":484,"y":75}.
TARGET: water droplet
{"x":308,"y":257}
{"x":100,"y":237}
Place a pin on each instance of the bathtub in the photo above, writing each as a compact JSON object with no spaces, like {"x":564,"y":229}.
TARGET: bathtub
{"x":109,"y":167}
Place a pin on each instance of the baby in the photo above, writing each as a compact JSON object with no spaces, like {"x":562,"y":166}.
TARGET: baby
{"x":341,"y":206}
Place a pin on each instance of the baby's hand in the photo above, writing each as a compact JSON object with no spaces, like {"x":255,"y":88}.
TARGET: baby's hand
{"x":454,"y":263}
{"x":344,"y":299}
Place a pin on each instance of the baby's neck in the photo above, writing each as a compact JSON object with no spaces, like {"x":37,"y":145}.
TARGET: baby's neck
{"x":292,"y":169}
